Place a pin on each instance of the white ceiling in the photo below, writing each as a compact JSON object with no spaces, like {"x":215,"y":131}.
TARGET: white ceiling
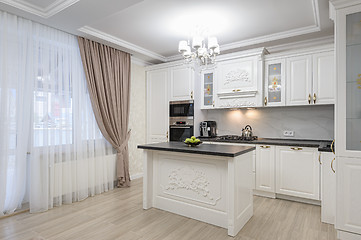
{"x":151,"y":29}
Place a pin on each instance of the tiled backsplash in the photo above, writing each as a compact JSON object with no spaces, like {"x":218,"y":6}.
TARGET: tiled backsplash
{"x":308,"y":122}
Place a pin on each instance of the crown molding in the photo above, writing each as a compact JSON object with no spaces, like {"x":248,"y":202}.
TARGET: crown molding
{"x":140,"y":62}
{"x":47,"y":12}
{"x":338,"y":4}
{"x":122,"y":43}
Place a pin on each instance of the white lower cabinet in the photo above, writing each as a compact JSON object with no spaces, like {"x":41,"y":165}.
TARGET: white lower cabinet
{"x":265,"y":168}
{"x":328,"y":188}
{"x":298,"y":172}
{"x":348,"y":199}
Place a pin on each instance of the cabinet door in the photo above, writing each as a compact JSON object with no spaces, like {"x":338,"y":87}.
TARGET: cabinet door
{"x":328,"y":188}
{"x":348,"y":190}
{"x":275,"y":83}
{"x":297,"y":172}
{"x":237,"y":77}
{"x":299,"y":80}
{"x":324,"y":81}
{"x":208,"y":89}
{"x":265,"y":168}
{"x":157,"y":106}
{"x":348,"y":114}
{"x":181,"y":83}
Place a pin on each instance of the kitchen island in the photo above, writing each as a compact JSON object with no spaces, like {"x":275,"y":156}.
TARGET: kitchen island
{"x":210,"y":183}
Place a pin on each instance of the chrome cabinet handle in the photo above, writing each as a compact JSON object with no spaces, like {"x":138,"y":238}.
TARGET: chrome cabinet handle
{"x":314,"y":98}
{"x":296,"y":148}
{"x":309,"y":98}
{"x":333,"y":170}
{"x":265,"y":101}
{"x":265,"y":146}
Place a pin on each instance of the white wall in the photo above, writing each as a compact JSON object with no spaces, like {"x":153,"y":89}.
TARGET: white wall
{"x":308,"y":122}
{"x":137,"y":119}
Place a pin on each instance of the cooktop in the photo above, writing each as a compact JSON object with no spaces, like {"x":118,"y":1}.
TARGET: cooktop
{"x":236,"y":138}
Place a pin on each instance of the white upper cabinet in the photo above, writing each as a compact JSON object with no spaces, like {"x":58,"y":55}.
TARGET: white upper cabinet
{"x":299,"y":80}
{"x":207,"y":95}
{"x":157,"y":106}
{"x":275,"y":83}
{"x":181,"y":83}
{"x":324,"y":81}
{"x":311,"y":79}
{"x":237,"y":77}
{"x":298,"y":172}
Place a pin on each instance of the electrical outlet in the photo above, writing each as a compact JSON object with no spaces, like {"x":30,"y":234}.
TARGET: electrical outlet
{"x":289,"y":133}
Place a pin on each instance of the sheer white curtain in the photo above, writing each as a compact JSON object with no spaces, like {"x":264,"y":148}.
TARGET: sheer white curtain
{"x":50,"y":116}
{"x":15,"y":104}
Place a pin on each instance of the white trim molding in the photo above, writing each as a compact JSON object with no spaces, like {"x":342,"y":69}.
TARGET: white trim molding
{"x":52,"y":9}
{"x":120,"y":42}
{"x":258,"y":40}
{"x":338,"y":4}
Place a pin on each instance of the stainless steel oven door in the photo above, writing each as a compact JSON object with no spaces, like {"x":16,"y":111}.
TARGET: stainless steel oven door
{"x":180,"y":133}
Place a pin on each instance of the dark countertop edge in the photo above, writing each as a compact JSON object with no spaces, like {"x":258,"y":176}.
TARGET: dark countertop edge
{"x":195,"y":151}
{"x":321,"y":145}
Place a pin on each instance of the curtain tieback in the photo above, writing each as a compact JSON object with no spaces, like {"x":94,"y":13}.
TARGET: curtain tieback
{"x":124,"y":144}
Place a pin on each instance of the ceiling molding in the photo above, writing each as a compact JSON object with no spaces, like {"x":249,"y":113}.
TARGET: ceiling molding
{"x":47,"y":12}
{"x":338,"y":4}
{"x":140,"y":62}
{"x":119,"y":42}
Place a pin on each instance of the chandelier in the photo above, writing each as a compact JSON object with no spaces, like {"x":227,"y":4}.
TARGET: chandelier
{"x":202,"y":54}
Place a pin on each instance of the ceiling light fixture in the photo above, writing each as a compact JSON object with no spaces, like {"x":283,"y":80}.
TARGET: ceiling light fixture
{"x":203,"y":54}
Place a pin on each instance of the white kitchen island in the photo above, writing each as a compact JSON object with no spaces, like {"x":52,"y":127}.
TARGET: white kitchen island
{"x":210,"y":183}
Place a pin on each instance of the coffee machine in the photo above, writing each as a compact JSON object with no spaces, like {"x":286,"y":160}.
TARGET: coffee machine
{"x":208,"y":129}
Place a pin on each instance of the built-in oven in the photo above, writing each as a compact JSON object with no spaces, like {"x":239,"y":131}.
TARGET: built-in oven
{"x":181,"y":108}
{"x":180,"y":128}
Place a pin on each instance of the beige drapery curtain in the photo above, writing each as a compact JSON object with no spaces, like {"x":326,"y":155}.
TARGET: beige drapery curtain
{"x":107,"y":72}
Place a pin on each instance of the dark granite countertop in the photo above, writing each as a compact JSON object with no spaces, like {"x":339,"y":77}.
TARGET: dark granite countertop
{"x":205,"y":149}
{"x":322,"y":145}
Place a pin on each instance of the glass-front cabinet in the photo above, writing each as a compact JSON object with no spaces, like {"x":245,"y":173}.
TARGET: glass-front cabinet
{"x":348,"y":106}
{"x":274,"y":83}
{"x":208,"y":89}
{"x":353,"y":82}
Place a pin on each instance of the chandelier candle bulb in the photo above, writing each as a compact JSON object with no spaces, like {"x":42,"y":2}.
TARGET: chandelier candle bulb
{"x":197,"y":42}
{"x":182,"y":47}
{"x":212,"y":43}
{"x":187,"y":53}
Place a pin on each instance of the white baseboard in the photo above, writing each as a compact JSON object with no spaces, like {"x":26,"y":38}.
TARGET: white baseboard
{"x":136,"y":176}
{"x":264,"y":194}
{"x":347,"y":235}
{"x":298,"y":199}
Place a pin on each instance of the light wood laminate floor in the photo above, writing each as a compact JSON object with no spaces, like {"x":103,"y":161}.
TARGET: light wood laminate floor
{"x":118,"y":214}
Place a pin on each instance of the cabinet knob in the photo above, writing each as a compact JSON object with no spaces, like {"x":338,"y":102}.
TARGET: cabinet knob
{"x":233,"y":90}
{"x":309,"y":98}
{"x":314,"y":98}
{"x":265,"y":101}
